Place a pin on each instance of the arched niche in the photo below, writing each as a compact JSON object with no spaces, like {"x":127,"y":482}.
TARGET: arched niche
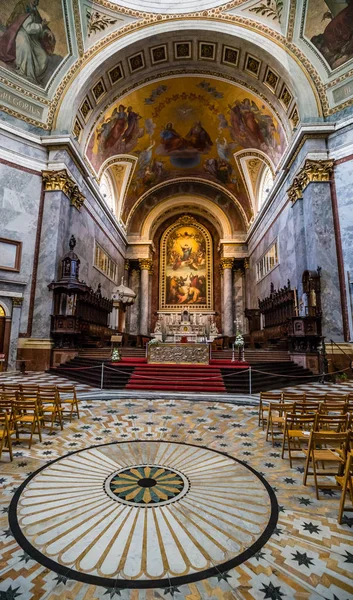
{"x":186,"y":266}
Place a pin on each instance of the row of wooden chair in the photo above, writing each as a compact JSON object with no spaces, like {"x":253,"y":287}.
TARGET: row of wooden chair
{"x":304,"y":401}
{"x":28,"y":408}
{"x":319,"y":428}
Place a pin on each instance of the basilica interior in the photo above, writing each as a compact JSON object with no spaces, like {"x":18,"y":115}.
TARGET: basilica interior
{"x":176,"y":293}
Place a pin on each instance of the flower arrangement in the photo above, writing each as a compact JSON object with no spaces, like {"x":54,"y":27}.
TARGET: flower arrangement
{"x":239,"y":340}
{"x":116,"y":356}
{"x":153,"y":342}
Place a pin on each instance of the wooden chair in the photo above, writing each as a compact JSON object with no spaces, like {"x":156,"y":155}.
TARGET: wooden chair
{"x":314,"y":397}
{"x":333,"y":408}
{"x":325,"y":448}
{"x":276,"y":416}
{"x":331,"y":423}
{"x":346,"y":483}
{"x":29,"y":390}
{"x":26,"y":414}
{"x":265,"y":399}
{"x":10,"y":388}
{"x":335,"y":397}
{"x":306,"y":408}
{"x":6,"y":432}
{"x":293,"y":397}
{"x":49,"y":404}
{"x":350,"y":402}
{"x":68,"y":396}
{"x":297,"y":429}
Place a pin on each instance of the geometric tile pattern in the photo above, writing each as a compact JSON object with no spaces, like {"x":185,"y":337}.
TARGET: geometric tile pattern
{"x":309,"y":555}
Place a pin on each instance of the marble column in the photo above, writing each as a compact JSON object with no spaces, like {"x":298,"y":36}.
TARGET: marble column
{"x":145,"y":266}
{"x":134,"y":309}
{"x":239,"y":298}
{"x":15,"y":330}
{"x":227,"y":266}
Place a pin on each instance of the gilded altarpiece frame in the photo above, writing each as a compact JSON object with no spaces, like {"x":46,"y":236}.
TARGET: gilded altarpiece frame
{"x":186,"y":267}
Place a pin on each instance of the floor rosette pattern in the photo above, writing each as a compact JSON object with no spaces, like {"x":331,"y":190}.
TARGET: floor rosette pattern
{"x":144,"y":513}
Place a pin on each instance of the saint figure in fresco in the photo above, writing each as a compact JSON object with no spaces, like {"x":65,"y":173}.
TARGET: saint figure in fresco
{"x":171,"y":140}
{"x":132,"y":131}
{"x":117,"y":127}
{"x":336,"y":42}
{"x":199,"y":138}
{"x":27,"y":42}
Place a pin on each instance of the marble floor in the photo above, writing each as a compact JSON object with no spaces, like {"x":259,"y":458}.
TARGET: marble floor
{"x":144,"y":499}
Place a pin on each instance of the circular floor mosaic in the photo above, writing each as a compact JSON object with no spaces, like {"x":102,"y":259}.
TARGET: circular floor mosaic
{"x":143,"y":514}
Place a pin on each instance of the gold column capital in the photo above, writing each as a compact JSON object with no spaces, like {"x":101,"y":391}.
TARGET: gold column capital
{"x":17,"y":301}
{"x":246,"y":263}
{"x":145,"y":263}
{"x":127,"y":264}
{"x":60,"y":181}
{"x":226,"y":263}
{"x":312,"y":171}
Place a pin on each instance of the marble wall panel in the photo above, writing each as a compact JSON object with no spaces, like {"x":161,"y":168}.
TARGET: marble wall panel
{"x":19,"y":204}
{"x":321,"y":251}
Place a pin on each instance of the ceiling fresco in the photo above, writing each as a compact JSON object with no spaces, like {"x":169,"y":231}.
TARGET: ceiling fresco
{"x":329,"y":26}
{"x":185,"y":127}
{"x":32,"y":38}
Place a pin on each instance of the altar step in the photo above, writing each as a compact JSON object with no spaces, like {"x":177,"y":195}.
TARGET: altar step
{"x":253,"y":356}
{"x":181,"y":378}
{"x":105,"y":353}
{"x":221,"y":376}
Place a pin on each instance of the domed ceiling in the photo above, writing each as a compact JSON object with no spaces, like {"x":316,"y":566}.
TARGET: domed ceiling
{"x":185,"y":127}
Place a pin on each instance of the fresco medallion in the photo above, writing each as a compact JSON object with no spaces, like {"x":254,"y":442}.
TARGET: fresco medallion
{"x":143,"y":514}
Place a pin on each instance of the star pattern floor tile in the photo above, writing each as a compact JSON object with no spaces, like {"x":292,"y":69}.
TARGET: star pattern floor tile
{"x":308,"y":554}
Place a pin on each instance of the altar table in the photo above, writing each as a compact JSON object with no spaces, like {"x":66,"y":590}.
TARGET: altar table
{"x":197,"y":354}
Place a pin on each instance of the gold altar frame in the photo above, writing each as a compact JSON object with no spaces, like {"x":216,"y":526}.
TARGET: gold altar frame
{"x":208,"y":305}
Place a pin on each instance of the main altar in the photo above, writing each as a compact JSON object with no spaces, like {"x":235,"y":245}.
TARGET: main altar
{"x":170,"y":353}
{"x":185,"y":326}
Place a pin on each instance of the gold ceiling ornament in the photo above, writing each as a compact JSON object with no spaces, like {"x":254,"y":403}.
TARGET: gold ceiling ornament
{"x":226,"y":263}
{"x":145,"y":264}
{"x":186,"y":220}
{"x":60,"y":181}
{"x":313,"y":171}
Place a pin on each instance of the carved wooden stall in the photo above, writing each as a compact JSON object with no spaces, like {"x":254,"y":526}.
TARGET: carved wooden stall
{"x":80,"y":315}
{"x":277,"y":309}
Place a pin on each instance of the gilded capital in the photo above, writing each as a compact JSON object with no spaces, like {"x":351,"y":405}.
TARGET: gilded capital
{"x":145,"y":263}
{"x":246,"y":263}
{"x":17,"y":301}
{"x":60,"y":181}
{"x":313,"y":171}
{"x":127,"y":264}
{"x":226,"y":263}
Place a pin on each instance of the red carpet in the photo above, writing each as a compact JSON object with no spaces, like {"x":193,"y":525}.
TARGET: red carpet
{"x":183,"y":378}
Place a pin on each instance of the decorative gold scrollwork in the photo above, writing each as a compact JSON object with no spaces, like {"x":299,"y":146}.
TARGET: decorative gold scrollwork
{"x":61,"y":181}
{"x":313,"y":171}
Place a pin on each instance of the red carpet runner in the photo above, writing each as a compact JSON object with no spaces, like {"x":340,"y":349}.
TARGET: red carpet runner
{"x":182,"y":378}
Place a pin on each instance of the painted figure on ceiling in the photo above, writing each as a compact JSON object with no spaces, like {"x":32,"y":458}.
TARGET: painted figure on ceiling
{"x":27,"y":42}
{"x":117,"y":127}
{"x":199,"y":138}
{"x":132,"y":131}
{"x":336,"y":41}
{"x":171,"y":140}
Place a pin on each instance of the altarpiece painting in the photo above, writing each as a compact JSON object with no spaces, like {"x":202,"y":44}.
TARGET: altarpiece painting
{"x":186,"y":266}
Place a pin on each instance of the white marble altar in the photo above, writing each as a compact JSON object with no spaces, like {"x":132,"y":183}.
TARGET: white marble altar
{"x":196,"y":326}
